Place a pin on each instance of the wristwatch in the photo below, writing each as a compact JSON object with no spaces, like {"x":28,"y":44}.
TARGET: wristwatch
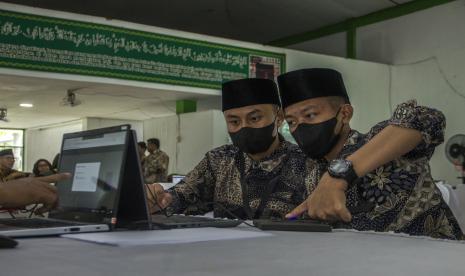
{"x":344,"y":169}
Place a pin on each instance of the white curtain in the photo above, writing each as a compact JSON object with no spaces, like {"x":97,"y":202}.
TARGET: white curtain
{"x":166,"y":130}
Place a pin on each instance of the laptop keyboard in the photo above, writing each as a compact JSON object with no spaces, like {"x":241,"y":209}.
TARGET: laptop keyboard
{"x":34,"y":223}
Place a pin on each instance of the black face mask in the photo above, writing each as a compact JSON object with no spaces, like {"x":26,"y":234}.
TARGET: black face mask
{"x":253,"y":140}
{"x":317,"y":140}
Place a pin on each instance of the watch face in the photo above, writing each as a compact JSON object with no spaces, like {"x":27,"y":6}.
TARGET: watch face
{"x":339,"y":166}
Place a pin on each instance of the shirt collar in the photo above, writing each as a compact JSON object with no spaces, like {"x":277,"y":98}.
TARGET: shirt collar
{"x":270,"y":162}
{"x":353,"y":138}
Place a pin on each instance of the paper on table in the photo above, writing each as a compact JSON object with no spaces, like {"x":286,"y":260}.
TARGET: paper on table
{"x":175,"y":236}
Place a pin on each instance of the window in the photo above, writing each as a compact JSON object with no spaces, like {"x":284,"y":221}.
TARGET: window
{"x":13,"y":139}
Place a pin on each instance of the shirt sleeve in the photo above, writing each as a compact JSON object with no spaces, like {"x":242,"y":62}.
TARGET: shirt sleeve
{"x":195,"y":191}
{"x":156,"y":168}
{"x":149,"y":170}
{"x":431,"y":123}
{"x":163,"y":162}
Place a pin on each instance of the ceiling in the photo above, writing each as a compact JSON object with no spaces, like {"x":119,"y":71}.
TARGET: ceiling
{"x":257,"y":21}
{"x":97,"y":100}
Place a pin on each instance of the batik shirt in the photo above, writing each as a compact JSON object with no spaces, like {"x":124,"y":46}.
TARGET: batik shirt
{"x":403,"y":191}
{"x":10,"y":174}
{"x":156,"y":167}
{"x":217,"y":178}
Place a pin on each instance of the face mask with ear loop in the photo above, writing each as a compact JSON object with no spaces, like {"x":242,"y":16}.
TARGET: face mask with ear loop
{"x":254,"y":140}
{"x":317,"y":140}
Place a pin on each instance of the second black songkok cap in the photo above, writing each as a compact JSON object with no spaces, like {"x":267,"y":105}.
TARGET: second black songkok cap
{"x":304,"y":84}
{"x":245,"y":92}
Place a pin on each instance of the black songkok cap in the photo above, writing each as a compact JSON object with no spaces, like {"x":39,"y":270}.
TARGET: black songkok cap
{"x":6,"y":152}
{"x":245,"y":92}
{"x":304,"y":84}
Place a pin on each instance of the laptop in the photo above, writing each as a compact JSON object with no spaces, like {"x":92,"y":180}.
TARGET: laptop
{"x":105,"y":191}
{"x":181,"y":221}
{"x":177,"y":178}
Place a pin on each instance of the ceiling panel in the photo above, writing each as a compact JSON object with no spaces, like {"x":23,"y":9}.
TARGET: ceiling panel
{"x":96,"y":100}
{"x":248,"y":20}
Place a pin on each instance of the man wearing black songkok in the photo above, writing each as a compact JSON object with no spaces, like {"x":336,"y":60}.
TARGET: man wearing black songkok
{"x":7,"y":161}
{"x":386,"y":170}
{"x":259,"y":175}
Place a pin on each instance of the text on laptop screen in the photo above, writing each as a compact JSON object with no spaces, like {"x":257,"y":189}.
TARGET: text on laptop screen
{"x":95,"y":163}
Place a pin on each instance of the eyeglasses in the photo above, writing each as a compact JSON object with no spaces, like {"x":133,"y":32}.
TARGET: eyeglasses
{"x":9,"y":158}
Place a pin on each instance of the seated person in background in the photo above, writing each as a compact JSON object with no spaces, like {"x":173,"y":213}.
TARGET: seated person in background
{"x":42,"y":168}
{"x":259,"y":175}
{"x":388,"y":167}
{"x":19,"y":193}
{"x":7,"y":161}
{"x":156,"y":163}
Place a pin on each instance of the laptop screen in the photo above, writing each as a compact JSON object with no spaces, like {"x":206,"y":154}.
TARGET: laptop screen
{"x":95,"y":162}
{"x":177,"y":178}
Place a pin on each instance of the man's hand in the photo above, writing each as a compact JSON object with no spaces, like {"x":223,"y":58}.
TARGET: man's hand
{"x":25,"y":191}
{"x":157,"y":197}
{"x":327,"y":202}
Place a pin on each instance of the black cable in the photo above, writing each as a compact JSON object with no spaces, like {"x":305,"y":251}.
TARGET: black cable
{"x":229,"y":212}
{"x":11,"y":214}
{"x":394,"y":2}
{"x":33,"y":210}
{"x":30,"y":210}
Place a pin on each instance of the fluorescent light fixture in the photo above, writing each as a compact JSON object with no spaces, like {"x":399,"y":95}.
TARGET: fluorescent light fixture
{"x":26,"y":105}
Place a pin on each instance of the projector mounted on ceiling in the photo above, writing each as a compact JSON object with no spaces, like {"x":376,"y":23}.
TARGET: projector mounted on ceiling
{"x":70,"y":99}
{"x":3,"y":113}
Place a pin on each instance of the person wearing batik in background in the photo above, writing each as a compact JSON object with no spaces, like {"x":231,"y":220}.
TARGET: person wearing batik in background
{"x":7,"y":162}
{"x":156,"y":163}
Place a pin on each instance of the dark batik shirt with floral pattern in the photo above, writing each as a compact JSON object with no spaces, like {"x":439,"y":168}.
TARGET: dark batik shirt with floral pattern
{"x":217,"y":179}
{"x":403,"y":191}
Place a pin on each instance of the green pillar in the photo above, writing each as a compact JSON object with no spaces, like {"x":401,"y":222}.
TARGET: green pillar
{"x":351,"y":43}
{"x":186,"y":106}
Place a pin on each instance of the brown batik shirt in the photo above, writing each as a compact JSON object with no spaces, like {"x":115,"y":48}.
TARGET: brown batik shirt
{"x":215,"y":184}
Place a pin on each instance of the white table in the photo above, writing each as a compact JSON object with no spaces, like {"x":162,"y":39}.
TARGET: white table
{"x":286,"y":253}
